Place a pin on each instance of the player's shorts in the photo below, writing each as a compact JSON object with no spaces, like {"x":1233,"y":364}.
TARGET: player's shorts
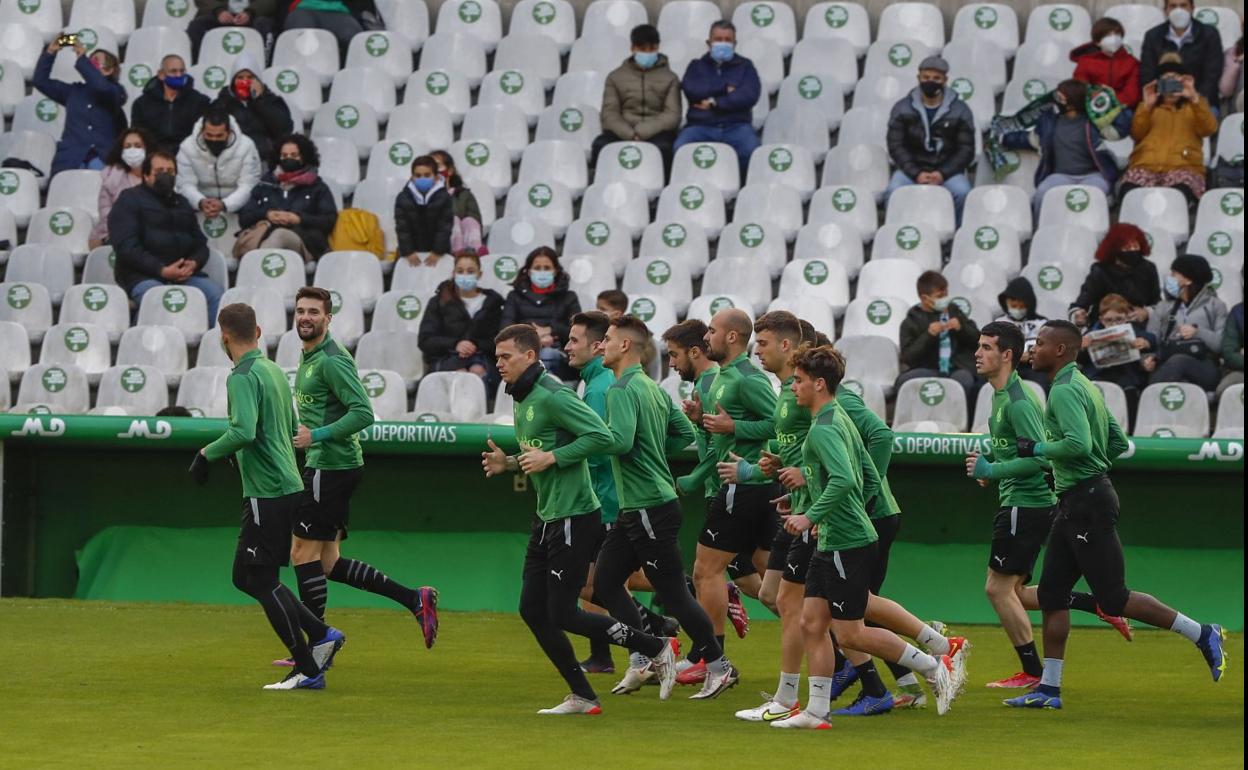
{"x":843,"y":579}
{"x":325,"y":508}
{"x":779,"y":550}
{"x":646,"y":539}
{"x":797,"y":558}
{"x":1084,"y":543}
{"x":561,"y":551}
{"x":1018,"y":534}
{"x":264,"y":533}
{"x":742,"y":565}
{"x":741,"y":518}
{"x":886,"y":527}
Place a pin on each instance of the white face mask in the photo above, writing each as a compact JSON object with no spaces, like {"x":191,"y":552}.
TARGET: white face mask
{"x":1111,"y":43}
{"x":1017,"y":313}
{"x":133,"y":156}
{"x":1180,"y":18}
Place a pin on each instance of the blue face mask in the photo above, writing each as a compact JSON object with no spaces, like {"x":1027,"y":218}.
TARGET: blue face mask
{"x":465,"y":281}
{"x":177,"y":83}
{"x":1173,"y":289}
{"x":542,"y":279}
{"x":646,"y":59}
{"x":424,"y":183}
{"x":722,"y":52}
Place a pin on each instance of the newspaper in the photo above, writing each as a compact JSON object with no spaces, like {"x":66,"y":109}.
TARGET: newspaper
{"x":1112,"y":346}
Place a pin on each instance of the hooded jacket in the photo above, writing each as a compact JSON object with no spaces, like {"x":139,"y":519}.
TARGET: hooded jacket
{"x":168,"y":122}
{"x":424,"y":226}
{"x":706,"y":78}
{"x":1138,"y":284}
{"x":229,"y":176}
{"x":1020,"y":288}
{"x":641,"y":102}
{"x":1206,"y":312}
{"x":314,"y":203}
{"x":93,"y":114}
{"x":265,"y":118}
{"x":920,"y":350}
{"x":1121,"y":71}
{"x":945,"y":144}
{"x":149,"y":232}
{"x":553,"y":308}
{"x":446,"y":323}
{"x":1041,"y":138}
{"x":1202,"y":56}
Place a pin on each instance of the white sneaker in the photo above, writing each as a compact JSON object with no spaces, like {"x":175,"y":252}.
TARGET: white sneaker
{"x":323,"y":652}
{"x":574,"y":704}
{"x":634,"y":679}
{"x":959,"y":660}
{"x":803,"y":720}
{"x":943,"y":685}
{"x":683,"y":665}
{"x":716,"y":683}
{"x":771,"y":711}
{"x":297,"y":681}
{"x":664,"y":665}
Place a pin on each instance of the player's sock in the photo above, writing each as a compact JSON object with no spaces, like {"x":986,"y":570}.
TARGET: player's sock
{"x":1083,"y":602}
{"x":787,"y":690}
{"x":720,"y":638}
{"x":651,"y":621}
{"x":916,"y":660}
{"x":840,"y":656}
{"x":909,"y":679}
{"x":872,"y":685}
{"x":718,"y":666}
{"x":599,"y":650}
{"x":637,"y":660}
{"x":313,"y":589}
{"x":934,"y":642}
{"x":366,"y":577}
{"x":899,"y":672}
{"x":1051,"y":679}
{"x":1030,"y":659}
{"x":820,"y":701}
{"x":1186,"y":626}
{"x":282,"y":610}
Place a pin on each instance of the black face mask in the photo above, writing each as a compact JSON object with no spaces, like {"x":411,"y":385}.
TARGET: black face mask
{"x":163,"y":185}
{"x":1131,"y":257}
{"x":290,"y":164}
{"x":931,"y":89}
{"x":216,"y":146}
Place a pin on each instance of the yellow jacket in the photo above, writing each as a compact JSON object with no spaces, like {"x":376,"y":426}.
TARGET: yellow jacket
{"x":1168,"y":137}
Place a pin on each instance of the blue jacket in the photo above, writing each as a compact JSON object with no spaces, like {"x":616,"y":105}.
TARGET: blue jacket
{"x":706,"y":78}
{"x":1041,"y":137}
{"x":93,"y":114}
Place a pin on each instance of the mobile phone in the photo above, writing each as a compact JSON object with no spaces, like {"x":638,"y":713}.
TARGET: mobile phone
{"x":68,"y":39}
{"x":1169,"y":86}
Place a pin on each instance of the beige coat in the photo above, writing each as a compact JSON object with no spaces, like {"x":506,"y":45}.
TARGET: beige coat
{"x":641,"y":103}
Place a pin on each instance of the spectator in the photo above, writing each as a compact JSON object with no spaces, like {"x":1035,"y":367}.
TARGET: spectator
{"x":256,"y":14}
{"x":123,"y":169}
{"x":641,"y":99}
{"x":157,"y":238}
{"x":424,"y":214}
{"x":169,"y":104}
{"x":1018,"y":305}
{"x":1188,"y":325}
{"x":218,"y":165}
{"x":292,"y":207}
{"x":261,"y":114}
{"x":1231,"y":84}
{"x":467,"y":230}
{"x":457,"y":331}
{"x":722,"y":88}
{"x":937,"y":339}
{"x":93,"y":114}
{"x":1106,"y":62}
{"x":613,"y":302}
{"x":1122,"y":268}
{"x":540,"y":296}
{"x":174,"y":411}
{"x":1168,"y":130}
{"x":1114,"y":310}
{"x":1233,"y":349}
{"x":931,"y":136}
{"x":331,"y":15}
{"x":1197,"y":44}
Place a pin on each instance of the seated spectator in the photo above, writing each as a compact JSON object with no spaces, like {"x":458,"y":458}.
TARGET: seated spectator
{"x":93,"y":114}
{"x":292,"y":207}
{"x":174,"y":411}
{"x":1122,"y":268}
{"x":1188,"y":325}
{"x":541,"y":296}
{"x":169,"y":104}
{"x":931,"y":135}
{"x":457,"y":331}
{"x":722,"y":88}
{"x":641,"y":99}
{"x":1233,"y":349}
{"x":1106,"y":62}
{"x":1114,"y":310}
{"x":1198,"y":45}
{"x":613,"y":302}
{"x":261,"y":114}
{"x":157,"y":237}
{"x":1231,"y":84}
{"x":1168,"y":130}
{"x":256,"y":14}
{"x":218,"y":165}
{"x":123,"y":170}
{"x":424,"y":215}
{"x":332,"y":15}
{"x":1018,"y":305}
{"x":467,"y":231}
{"x":937,"y":339}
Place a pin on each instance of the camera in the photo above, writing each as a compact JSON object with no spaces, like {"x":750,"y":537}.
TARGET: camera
{"x":1167,"y":86}
{"x":67,"y":40}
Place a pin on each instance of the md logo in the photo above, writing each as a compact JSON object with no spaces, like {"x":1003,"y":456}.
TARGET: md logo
{"x":154,"y":430}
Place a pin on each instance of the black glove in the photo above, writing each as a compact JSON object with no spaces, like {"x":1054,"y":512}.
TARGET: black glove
{"x":199,"y":469}
{"x":1026,"y":447}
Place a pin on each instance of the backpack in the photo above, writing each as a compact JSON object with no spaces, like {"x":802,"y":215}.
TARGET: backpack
{"x":359,"y":230}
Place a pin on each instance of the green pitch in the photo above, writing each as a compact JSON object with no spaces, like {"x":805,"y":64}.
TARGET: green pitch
{"x":90,"y":684}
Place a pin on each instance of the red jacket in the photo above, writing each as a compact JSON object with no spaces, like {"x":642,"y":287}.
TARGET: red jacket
{"x":1120,"y":72}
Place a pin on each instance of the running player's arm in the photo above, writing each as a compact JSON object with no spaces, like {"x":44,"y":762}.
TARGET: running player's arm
{"x":696,"y":479}
{"x":244,"y":415}
{"x":871,"y":478}
{"x":1075,"y":434}
{"x":622,"y":420}
{"x":1026,"y":422}
{"x":575,"y":416}
{"x":345,"y":384}
{"x":680,"y":432}
{"x":835,"y":459}
{"x":1118,"y":442}
{"x":758,"y":398}
{"x":877,"y":437}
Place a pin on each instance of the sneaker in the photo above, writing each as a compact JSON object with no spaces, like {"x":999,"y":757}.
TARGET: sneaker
{"x":844,"y":679}
{"x":1020,"y":680}
{"x":692,"y":674}
{"x":285,"y":662}
{"x":428,"y":615}
{"x":736,"y":612}
{"x":575,"y":704}
{"x":939,"y":626}
{"x":591,"y":666}
{"x":943,"y":685}
{"x":634,"y":679}
{"x":323,"y":652}
{"x":669,"y":627}
{"x":867,"y":706}
{"x":1210,"y":645}
{"x":771,"y":711}
{"x":297,"y":681}
{"x":1120,"y":624}
{"x":959,"y":652}
{"x":665,"y":667}
{"x":1035,"y":700}
{"x":803,"y":720}
{"x":910,"y":696}
{"x":717,"y":683}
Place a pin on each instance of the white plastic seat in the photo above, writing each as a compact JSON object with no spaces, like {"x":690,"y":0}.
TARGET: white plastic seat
{"x":202,"y":391}
{"x":162,"y":347}
{"x":298,"y":86}
{"x":601,"y":54}
{"x":14,"y":354}
{"x":834,"y":66}
{"x":915,"y":243}
{"x":876,"y":317}
{"x":514,"y":88}
{"x":499,"y":271}
{"x":777,"y":205}
{"x":835,"y":241}
{"x":984,"y":65}
{"x":991,"y":245}
{"x":767,"y":59}
{"x":280,"y":269}
{"x":1064,"y":23}
{"x":1161,"y":209}
{"x":503,"y":124}
{"x":447,"y":87}
{"x":983,"y":404}
{"x":84,"y":345}
{"x":544,"y":201}
{"x":12,"y":85}
{"x":182,"y":307}
{"x":878,"y":92}
{"x":391,"y":159}
{"x":103,"y":305}
{"x":411,"y":20}
{"x":531,"y":54}
{"x":1115,"y":401}
{"x":387,"y":391}
{"x":706,"y":305}
{"x":813,"y":89}
{"x":511,"y":235}
{"x":636,"y":162}
{"x":1136,"y":19}
{"x":398,"y":351}
{"x":171,"y":13}
{"x":800,"y":122}
{"x":930,"y":405}
{"x":1220,"y":209}
{"x":677,"y":389}
{"x":221,"y":46}
{"x":22,"y":45}
{"x":1066,"y":205}
{"x":554,"y":20}
{"x":34,"y":147}
{"x":623,"y":201}
{"x":370,"y":86}
{"x":150,"y":44}
{"x":459,"y":394}
{"x":1046,"y":60}
{"x":135,"y":390}
{"x":62,"y":388}
{"x":918,"y":204}
{"x":710,"y":164}
{"x":612,"y":18}
{"x":602,"y":237}
{"x":996,"y":205}
{"x":1173,"y":409}
{"x":973,"y":287}
{"x":398,"y":310}
{"x":64,"y":227}
{"x":378,"y":196}
{"x":846,"y":204}
{"x":348,"y":321}
{"x":423,"y":124}
{"x":825,"y":279}
{"x":421,"y":280}
{"x":351,"y":272}
{"x":40,"y":114}
{"x":8,"y":232}
{"x":758,"y":242}
{"x":977,"y":94}
{"x":579,"y":89}
{"x":770,"y":23}
{"x":75,"y":188}
{"x":694,"y":203}
{"x":48,"y":265}
{"x":843,"y":23}
{"x":789,"y":165}
{"x":1056,"y":285}
{"x":1231,"y":139}
{"x":657,"y":311}
{"x":117,"y":15}
{"x":19,"y":193}
{"x":681,"y":18}
{"x":891,"y":277}
{"x":45,"y":17}
{"x":483,"y":160}
{"x":459,"y":53}
{"x":314,"y":50}
{"x":994,"y":23}
{"x":354,"y":121}
{"x":481,"y":19}
{"x":1217,"y":244}
{"x":898,"y":56}
{"x":1021,"y":90}
{"x":808,"y":307}
{"x":576,"y":124}
{"x":384,"y":51}
{"x":1074,"y":245}
{"x":864,"y":125}
{"x":1230,"y":420}
{"x":589,"y":277}
{"x":685,"y":242}
{"x":562,"y":162}
{"x":270,"y":307}
{"x":746,"y":277}
{"x":661,"y":277}
{"x":921,"y":22}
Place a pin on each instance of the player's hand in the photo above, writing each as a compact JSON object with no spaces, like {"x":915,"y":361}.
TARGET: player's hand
{"x":1028,"y":448}
{"x":972,"y":458}
{"x":494,"y":462}
{"x":792,"y":478}
{"x":692,"y":408}
{"x":199,"y":469}
{"x":729,"y":472}
{"x":784,"y":504}
{"x":769,"y":463}
{"x":535,"y":460}
{"x":303,"y":437}
{"x":796,"y":525}
{"x":978,"y":467}
{"x":719,"y":422}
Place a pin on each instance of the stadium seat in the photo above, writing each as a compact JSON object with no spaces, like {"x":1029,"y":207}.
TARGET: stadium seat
{"x":878,"y":92}
{"x":163,"y":347}
{"x":898,"y":56}
{"x":503,"y":124}
{"x":212,"y":355}
{"x":841,"y":23}
{"x":542,"y":201}
{"x":14,"y":353}
{"x":995,"y":23}
{"x":22,"y":45}
{"x":993,"y":245}
{"x":29,"y":304}
{"x":424,"y":124}
{"x":786,"y":164}
{"x":183,"y":307}
{"x":998,"y":204}
{"x":459,"y":394}
{"x":137,"y":390}
{"x":601,"y":54}
{"x":660,"y":277}
{"x":482,"y":19}
{"x":623,"y":201}
{"x":576,"y":124}
{"x":354,"y":272}
{"x":391,"y":159}
{"x":44,"y":17}
{"x":808,"y":307}
{"x":636,"y":162}
{"x":870,"y":359}
{"x":1231,"y":138}
{"x":657,"y":311}
{"x":1230,"y":291}
{"x":877,"y":317}
{"x":84,"y":345}
{"x":915,"y":243}
{"x":150,"y":44}
{"x":1025,"y":87}
{"x":802,"y":123}
{"x":348,"y":322}
{"x":533,"y":56}
{"x":369,"y":86}
{"x":976,"y":75}
{"x":695,"y":203}
{"x":355,"y":121}
{"x":1136,"y":20}
{"x":1173,"y":409}
{"x":515,"y":89}
{"x":447,"y":87}
{"x":102,"y":305}
{"x":511,"y":235}
{"x":920,"y":22}
{"x":860,"y":167}
{"x":613,"y":18}
{"x":12,"y":85}
{"x":1066,"y":205}
{"x":461,"y":54}
{"x":1230,"y":422}
{"x":421,"y":280}
{"x":848,"y":204}
{"x":974,"y":287}
{"x":919,"y":204}
{"x":202,"y":391}
{"x":498,"y":271}
{"x":676,"y":241}
{"x":1115,"y":401}
{"x":1161,"y":209}
{"x":835,"y":66}
{"x":409,"y":19}
{"x":983,"y":404}
{"x":39,"y":114}
{"x":1067,"y":24}
{"x":864,"y":125}
{"x":1056,"y":285}
{"x":8,"y":232}
{"x":683,"y":18}
{"x":1074,"y":246}
{"x":833,"y":241}
{"x":1227,"y":21}
{"x":76,"y":188}
{"x":554,"y":20}
{"x":61,"y":388}
{"x":1217,"y":244}
{"x":397,"y":351}
{"x":1162,"y":248}
{"x":385,"y":51}
{"x":677,"y":389}
{"x":313,"y":50}
{"x":299,"y":88}
{"x":279,"y":269}
{"x":607,"y":238}
{"x":778,"y":205}
{"x":398,"y":310}
{"x":754,"y":241}
{"x":709,"y":164}
{"x":116,"y":15}
{"x":171,"y":13}
{"x":746,"y":277}
{"x":221,"y":46}
{"x":1220,"y":209}
{"x":705,"y":306}
{"x":555,"y":161}
{"x":387,"y":391}
{"x":891,"y":277}
{"x":35,"y":148}
{"x":270,"y":307}
{"x":48,"y":265}
{"x":340,"y":162}
{"x":289,"y":351}
{"x":825,"y":279}
{"x":579,"y":89}
{"x":61,"y":227}
{"x":588,"y":277}
{"x":770,"y":23}
{"x":930,"y":405}
{"x":766,"y":56}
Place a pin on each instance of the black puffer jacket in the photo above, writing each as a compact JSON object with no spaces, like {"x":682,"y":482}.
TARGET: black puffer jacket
{"x":169,"y":122}
{"x":149,"y":232}
{"x":947,"y":146}
{"x":314,"y":203}
{"x":264,"y":119}
{"x":553,"y":308}
{"x":427,"y":227}
{"x":1138,"y":283}
{"x":446,"y":323}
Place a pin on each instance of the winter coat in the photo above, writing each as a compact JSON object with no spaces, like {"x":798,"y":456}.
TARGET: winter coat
{"x":1202,"y":56}
{"x":264,"y":119}
{"x":446,"y":323}
{"x":1233,"y":339}
{"x":149,"y":232}
{"x":1041,"y":138}
{"x":1138,"y":284}
{"x":1020,"y":288}
{"x":920,"y":350}
{"x":93,"y":114}
{"x":1120,"y":72}
{"x":114,"y":180}
{"x":169,"y":122}
{"x":424,"y":227}
{"x":1168,"y":138}
{"x":641,"y":102}
{"x":705,"y":78}
{"x":1206,"y":312}
{"x":946,"y":145}
{"x":314,"y":203}
{"x":554,"y":308}
{"x":229,"y":176}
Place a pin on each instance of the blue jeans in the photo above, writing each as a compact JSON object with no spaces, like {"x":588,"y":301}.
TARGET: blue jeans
{"x":212,"y":292}
{"x":740,"y":136}
{"x":958,"y":186}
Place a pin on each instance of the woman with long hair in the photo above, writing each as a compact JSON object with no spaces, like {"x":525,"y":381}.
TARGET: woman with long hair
{"x":457,"y":331}
{"x":123,"y":169}
{"x":541,"y":296}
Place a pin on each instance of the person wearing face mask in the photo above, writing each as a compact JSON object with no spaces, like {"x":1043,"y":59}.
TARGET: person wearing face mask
{"x":1198,"y":44}
{"x":466,"y":231}
{"x":292,"y":207}
{"x":157,"y":238}
{"x":937,"y":339}
{"x":1121,"y":267}
{"x":261,"y":114}
{"x":641,"y":99}
{"x":1018,"y":307}
{"x":169,"y":104}
{"x":424,"y":215}
{"x":460,"y":322}
{"x":219,"y":166}
{"x":93,"y":108}
{"x":722,"y":88}
{"x":211,"y":14}
{"x":541,"y":296}
{"x":123,"y":170}
{"x":1188,"y":325}
{"x":931,"y":136}
{"x":1106,"y":62}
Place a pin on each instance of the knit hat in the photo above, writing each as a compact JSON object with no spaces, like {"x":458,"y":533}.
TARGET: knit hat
{"x":934,"y":63}
{"x":1194,"y":268}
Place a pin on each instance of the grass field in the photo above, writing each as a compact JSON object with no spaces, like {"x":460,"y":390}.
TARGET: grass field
{"x":90,"y":684}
